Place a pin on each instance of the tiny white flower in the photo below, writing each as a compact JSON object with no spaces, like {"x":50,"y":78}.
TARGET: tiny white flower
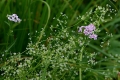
{"x":14,"y":18}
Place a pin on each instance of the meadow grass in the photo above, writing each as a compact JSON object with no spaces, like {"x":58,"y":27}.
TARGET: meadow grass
{"x":46,"y":44}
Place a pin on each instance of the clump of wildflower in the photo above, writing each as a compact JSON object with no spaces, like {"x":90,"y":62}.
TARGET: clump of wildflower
{"x":88,"y":31}
{"x":14,"y":18}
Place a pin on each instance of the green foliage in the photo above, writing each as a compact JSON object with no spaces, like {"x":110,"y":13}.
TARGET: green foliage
{"x":46,"y":44}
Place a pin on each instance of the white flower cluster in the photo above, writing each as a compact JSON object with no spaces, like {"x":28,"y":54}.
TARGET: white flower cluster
{"x":14,"y":18}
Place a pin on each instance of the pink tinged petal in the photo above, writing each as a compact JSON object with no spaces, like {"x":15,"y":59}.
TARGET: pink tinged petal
{"x":90,"y":27}
{"x":87,"y":32}
{"x":81,"y":28}
{"x":93,"y":36}
{"x":15,"y":16}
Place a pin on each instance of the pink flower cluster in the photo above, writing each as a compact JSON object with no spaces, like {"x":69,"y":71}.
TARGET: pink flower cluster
{"x":89,"y":31}
{"x":14,"y":18}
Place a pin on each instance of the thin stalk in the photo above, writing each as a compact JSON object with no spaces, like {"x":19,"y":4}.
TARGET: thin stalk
{"x":42,"y":32}
{"x":80,"y":69}
{"x":8,"y":34}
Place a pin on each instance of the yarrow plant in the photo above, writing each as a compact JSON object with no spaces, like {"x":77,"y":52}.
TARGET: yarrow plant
{"x":89,"y":31}
{"x":14,"y":18}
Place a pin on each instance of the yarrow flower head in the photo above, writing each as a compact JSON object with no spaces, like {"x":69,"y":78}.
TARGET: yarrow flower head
{"x":89,"y":31}
{"x":14,"y":18}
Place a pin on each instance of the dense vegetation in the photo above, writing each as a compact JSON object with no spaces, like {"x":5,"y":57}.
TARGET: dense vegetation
{"x":59,"y":40}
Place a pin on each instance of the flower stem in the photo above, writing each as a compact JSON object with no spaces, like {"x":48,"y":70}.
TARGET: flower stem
{"x":80,"y":69}
{"x":42,"y":32}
